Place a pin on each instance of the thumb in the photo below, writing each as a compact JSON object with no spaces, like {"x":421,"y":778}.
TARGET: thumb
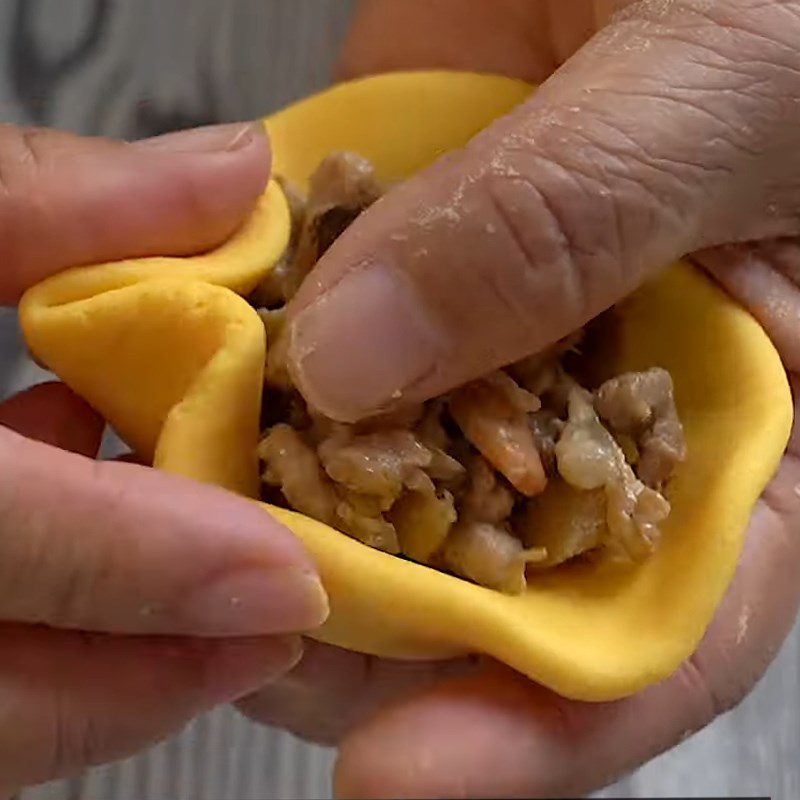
{"x":66,"y":200}
{"x":671,"y":130}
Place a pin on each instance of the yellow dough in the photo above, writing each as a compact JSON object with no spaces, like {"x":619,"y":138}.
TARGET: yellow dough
{"x":172,"y":356}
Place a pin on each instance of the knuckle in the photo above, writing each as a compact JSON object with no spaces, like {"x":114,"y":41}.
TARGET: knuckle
{"x":545,"y":249}
{"x":709,"y":701}
{"x":45,"y":731}
{"x":564,"y":229}
{"x":21,"y":157}
{"x":44,"y":578}
{"x":76,"y":738}
{"x":719,"y":128}
{"x":22,"y":153}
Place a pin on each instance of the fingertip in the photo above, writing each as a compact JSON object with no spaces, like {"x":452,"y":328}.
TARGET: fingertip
{"x":199,"y":561}
{"x":202,"y":183}
{"x":253,"y":601}
{"x":100,"y":200}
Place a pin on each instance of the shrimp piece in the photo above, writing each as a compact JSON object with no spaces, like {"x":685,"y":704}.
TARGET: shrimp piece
{"x":493,"y":415}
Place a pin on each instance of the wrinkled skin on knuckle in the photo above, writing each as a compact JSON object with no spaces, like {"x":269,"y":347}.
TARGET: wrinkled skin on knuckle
{"x":696,"y":101}
{"x":577,"y":221}
{"x":21,"y":159}
{"x":728,"y":103}
{"x":21,"y":165}
{"x":19,"y":738}
{"x":589,"y":198}
{"x":561,"y":213}
{"x":721,"y":675}
{"x":51,"y":579}
{"x":42,"y":575}
{"x":42,"y":733}
{"x":49,"y":573}
{"x":73,"y":739}
{"x":511,"y":239}
{"x":549,"y":254}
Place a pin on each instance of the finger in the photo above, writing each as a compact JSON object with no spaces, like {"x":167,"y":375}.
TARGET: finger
{"x":331,"y":690}
{"x":765,"y":278}
{"x":67,"y":200}
{"x":71,"y":700}
{"x":505,"y":37}
{"x":54,"y":414}
{"x":499,"y":735}
{"x":120,"y":548}
{"x":646,"y":145}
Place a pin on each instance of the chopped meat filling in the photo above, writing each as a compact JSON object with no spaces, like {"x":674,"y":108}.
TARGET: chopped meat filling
{"x":493,"y":416}
{"x":488,"y":555}
{"x":589,"y":458}
{"x":293,"y":466}
{"x":379,"y":464}
{"x":486,"y":497}
{"x":343,"y":186}
{"x":641,"y":405}
{"x":518,"y":472}
{"x":566,"y":522}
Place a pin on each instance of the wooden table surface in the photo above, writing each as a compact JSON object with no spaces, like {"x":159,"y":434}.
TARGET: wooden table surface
{"x":144,"y":66}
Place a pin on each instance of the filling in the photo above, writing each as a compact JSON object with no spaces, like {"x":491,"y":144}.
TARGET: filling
{"x":518,"y":472}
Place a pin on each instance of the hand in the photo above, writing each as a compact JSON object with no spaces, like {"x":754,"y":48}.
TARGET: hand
{"x":204,"y":586}
{"x":671,"y":131}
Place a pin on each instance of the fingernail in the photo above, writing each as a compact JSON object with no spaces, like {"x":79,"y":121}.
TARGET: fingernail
{"x":358,"y":348}
{"x":210,"y":139}
{"x":257,"y":602}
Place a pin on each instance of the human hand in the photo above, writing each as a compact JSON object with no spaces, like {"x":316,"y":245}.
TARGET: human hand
{"x":130,"y":600}
{"x":670,"y":132}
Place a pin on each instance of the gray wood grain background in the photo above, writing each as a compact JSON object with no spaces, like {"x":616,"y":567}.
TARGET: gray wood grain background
{"x":145,"y":66}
